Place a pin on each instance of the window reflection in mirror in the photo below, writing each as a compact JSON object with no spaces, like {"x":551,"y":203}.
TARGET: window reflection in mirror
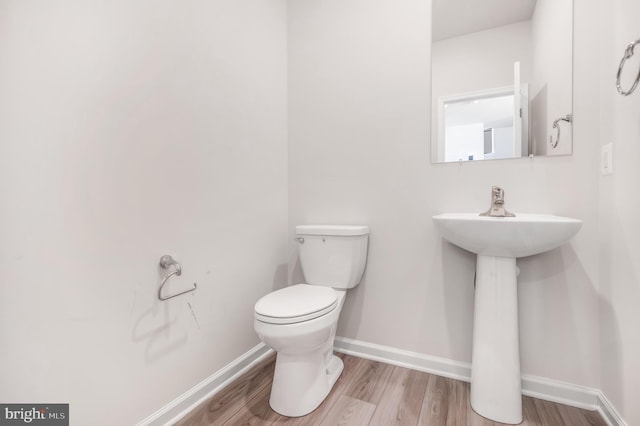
{"x":480,"y":128}
{"x":501,"y":71}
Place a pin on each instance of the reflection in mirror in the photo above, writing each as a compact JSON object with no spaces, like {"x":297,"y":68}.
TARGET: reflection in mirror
{"x":501,"y":76}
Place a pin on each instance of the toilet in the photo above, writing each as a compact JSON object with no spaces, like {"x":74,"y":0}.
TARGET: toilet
{"x":299,"y":322}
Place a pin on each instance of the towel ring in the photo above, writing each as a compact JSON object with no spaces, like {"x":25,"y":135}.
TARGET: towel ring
{"x":166,"y":262}
{"x":628,"y":53}
{"x":568,"y":118}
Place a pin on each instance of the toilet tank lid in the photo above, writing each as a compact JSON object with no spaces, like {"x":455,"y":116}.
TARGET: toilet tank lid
{"x":340,"y":230}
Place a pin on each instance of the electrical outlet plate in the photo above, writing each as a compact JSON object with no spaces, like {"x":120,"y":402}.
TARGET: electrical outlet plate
{"x":606,"y":160}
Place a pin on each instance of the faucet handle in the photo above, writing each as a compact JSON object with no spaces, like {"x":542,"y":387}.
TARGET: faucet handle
{"x":497,"y":194}
{"x":497,"y":204}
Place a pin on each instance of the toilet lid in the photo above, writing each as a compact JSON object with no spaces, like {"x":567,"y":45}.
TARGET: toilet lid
{"x":300,"y":302}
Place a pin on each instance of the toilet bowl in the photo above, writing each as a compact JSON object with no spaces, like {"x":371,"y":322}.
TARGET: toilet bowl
{"x":299,"y":322}
{"x":306,"y":368}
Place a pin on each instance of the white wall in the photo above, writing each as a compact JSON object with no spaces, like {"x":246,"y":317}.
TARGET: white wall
{"x":359,"y":120}
{"x":130,"y":130}
{"x":619,"y":241}
{"x":479,"y":61}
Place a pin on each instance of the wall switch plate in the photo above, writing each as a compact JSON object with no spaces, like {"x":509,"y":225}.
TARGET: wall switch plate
{"x":606,"y":160}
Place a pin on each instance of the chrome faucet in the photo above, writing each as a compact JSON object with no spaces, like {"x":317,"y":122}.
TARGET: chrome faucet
{"x":497,"y":204}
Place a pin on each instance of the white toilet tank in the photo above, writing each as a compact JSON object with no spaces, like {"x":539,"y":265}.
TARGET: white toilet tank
{"x":333,"y":255}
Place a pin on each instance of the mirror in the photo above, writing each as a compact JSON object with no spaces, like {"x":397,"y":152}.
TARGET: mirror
{"x":501,"y":79}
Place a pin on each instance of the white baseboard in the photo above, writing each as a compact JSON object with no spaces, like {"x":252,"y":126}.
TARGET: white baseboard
{"x":537,"y":387}
{"x":413,"y":360}
{"x":560,"y":392}
{"x":608,"y":412}
{"x":181,"y":406}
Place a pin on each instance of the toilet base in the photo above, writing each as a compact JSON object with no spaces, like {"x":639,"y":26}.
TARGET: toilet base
{"x":302,"y":382}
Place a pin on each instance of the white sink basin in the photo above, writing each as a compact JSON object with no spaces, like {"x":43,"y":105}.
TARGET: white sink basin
{"x":495,"y":365}
{"x":523,"y":235}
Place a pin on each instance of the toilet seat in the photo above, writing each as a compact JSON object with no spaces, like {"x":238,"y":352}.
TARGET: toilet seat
{"x":297,"y":303}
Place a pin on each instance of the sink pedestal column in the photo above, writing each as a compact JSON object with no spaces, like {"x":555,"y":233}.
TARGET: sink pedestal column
{"x":495,"y":369}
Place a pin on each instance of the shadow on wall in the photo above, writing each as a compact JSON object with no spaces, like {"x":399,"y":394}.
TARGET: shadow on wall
{"x":351,"y":315}
{"x":158,"y":325}
{"x":296,"y":276}
{"x":555,"y":315}
{"x":280,"y":277}
{"x":557,"y":309}
{"x":611,"y":350}
{"x":458,"y":272}
{"x":538,"y":114}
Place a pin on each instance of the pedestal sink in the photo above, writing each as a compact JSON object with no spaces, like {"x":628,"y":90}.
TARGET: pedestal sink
{"x":498,"y":241}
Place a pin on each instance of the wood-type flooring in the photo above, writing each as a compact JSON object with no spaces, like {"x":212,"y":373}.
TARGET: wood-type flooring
{"x":372,"y":393}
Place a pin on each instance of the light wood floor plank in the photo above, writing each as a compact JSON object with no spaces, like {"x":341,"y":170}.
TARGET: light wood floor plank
{"x":548,"y":413}
{"x":573,"y":416}
{"x":594,"y":418}
{"x":473,"y":418}
{"x":349,"y":411}
{"x":530,"y":412}
{"x":224,"y":405}
{"x":369,"y":381}
{"x":256,"y":412}
{"x":403,"y":398}
{"x":435,"y":405}
{"x":351,"y":367}
{"x":376,"y":394}
{"x":457,"y":407}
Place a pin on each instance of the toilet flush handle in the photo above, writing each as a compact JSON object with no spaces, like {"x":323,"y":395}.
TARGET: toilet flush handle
{"x":299,"y":239}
